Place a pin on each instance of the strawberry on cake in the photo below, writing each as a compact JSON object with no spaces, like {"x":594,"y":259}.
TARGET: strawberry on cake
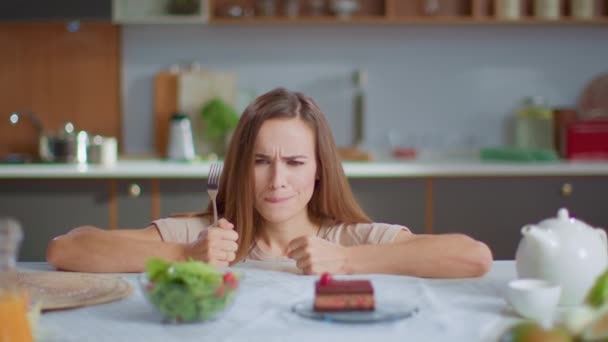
{"x":343,"y":295}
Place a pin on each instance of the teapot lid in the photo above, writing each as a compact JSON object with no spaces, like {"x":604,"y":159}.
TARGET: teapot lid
{"x":563,"y":218}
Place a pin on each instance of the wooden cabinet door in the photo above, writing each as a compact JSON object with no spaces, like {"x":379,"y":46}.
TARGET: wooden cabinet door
{"x":183,"y":196}
{"x":48,"y":208}
{"x":494,"y":210}
{"x":134,"y":198}
{"x":60,"y":73}
{"x":392,"y":200}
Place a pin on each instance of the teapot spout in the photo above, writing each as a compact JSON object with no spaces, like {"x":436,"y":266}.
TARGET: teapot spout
{"x":537,"y":236}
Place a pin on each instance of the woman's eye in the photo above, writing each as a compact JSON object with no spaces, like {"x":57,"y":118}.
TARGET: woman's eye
{"x":261,"y":161}
{"x":294,"y":163}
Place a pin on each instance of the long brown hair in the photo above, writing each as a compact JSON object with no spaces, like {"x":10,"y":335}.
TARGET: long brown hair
{"x":332,"y":200}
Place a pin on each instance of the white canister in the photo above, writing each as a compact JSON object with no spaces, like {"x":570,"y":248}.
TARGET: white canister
{"x":547,"y":9}
{"x":507,"y":9}
{"x":582,"y":9}
{"x":103,"y":151}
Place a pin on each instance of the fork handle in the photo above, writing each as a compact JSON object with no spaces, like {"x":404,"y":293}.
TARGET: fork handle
{"x":214,"y":212}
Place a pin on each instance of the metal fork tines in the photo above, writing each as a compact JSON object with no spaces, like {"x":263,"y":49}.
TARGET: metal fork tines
{"x":213,"y":184}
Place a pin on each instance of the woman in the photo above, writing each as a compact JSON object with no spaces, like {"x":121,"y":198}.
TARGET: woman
{"x":283,"y":196}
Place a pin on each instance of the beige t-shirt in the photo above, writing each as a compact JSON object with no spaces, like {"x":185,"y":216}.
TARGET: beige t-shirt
{"x":187,"y":229}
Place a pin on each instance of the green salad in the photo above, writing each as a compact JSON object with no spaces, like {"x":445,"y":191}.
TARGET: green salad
{"x":189,"y":291}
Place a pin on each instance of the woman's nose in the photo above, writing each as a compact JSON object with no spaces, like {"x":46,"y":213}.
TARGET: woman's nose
{"x":277,"y":179}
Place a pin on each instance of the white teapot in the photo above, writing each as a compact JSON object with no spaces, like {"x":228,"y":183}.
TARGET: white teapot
{"x":565,"y":251}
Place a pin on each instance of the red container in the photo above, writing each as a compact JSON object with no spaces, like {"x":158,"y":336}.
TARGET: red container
{"x":587,"y":139}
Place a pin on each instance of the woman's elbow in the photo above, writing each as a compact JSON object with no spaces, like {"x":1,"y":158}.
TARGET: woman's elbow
{"x":482,"y":259}
{"x":60,"y":248}
{"x":54,"y":251}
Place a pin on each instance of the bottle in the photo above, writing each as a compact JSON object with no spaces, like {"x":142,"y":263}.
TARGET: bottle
{"x":359,"y":79}
{"x":582,"y":9}
{"x":507,"y":9}
{"x":181,"y":142}
{"x":534,"y":125}
{"x":547,"y":9}
{"x":14,"y":324}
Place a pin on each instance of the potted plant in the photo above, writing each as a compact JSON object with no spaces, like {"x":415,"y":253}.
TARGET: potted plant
{"x":219,"y":119}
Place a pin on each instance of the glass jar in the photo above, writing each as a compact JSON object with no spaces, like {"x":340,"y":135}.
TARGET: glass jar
{"x":534,"y":125}
{"x":507,"y":9}
{"x":547,"y":9}
{"x":13,"y":300}
{"x":582,"y":9}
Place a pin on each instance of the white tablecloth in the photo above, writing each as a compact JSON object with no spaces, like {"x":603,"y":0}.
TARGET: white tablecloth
{"x":449,"y":310}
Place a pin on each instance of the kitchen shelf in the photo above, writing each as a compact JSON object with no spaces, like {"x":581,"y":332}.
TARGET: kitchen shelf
{"x":401,"y":12}
{"x":155,"y":12}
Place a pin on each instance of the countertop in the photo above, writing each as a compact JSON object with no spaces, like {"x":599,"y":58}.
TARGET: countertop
{"x":380,"y":169}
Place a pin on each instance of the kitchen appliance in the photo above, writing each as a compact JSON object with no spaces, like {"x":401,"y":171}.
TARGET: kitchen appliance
{"x":587,"y":139}
{"x":181,"y":143}
{"x":103,"y":151}
{"x":67,"y":146}
{"x":564,"y":251}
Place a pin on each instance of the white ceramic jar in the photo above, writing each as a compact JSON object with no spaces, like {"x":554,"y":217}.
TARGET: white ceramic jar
{"x":547,"y":9}
{"x":582,"y":9}
{"x":507,"y":9}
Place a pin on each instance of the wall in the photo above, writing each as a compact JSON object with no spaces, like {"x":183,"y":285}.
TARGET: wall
{"x":434,"y":85}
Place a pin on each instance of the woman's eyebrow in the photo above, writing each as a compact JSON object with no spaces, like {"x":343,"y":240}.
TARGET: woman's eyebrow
{"x":265,"y":156}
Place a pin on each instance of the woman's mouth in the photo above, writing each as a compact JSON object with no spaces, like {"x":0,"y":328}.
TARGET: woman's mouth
{"x":277,"y":199}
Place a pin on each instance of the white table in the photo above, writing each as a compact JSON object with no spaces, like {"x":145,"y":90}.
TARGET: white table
{"x":450,"y":310}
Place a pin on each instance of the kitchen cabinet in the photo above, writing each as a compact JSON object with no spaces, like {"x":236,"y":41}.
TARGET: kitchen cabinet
{"x":490,"y":209}
{"x":160,"y":11}
{"x":47,"y":208}
{"x":494,"y":210}
{"x":393,"y":200}
{"x":135,"y":199}
{"x":183,"y":196}
{"x":36,"y":10}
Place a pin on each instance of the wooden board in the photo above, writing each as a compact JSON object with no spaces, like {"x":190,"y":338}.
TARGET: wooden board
{"x":65,"y":290}
{"x":187,"y":92}
{"x":60,"y":75}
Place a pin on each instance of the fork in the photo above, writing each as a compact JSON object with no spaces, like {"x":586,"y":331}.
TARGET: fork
{"x":213,"y":183}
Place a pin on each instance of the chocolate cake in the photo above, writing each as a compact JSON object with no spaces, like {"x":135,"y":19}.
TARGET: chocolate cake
{"x":343,"y":295}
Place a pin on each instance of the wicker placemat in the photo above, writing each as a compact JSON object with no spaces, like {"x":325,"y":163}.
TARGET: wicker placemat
{"x":64,"y":290}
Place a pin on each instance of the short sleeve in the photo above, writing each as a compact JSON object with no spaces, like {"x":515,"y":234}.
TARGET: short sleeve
{"x":180,"y":229}
{"x":362,"y":233}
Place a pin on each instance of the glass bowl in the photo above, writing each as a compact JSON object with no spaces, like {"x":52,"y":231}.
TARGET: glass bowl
{"x":182,"y":303}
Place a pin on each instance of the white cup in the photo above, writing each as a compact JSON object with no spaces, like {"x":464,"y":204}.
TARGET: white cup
{"x":103,"y":151}
{"x":534,"y":299}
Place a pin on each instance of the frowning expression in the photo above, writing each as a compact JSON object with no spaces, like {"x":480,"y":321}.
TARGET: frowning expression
{"x":285,"y":169}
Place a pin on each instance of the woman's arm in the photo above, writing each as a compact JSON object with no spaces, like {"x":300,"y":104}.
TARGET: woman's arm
{"x":90,"y":249}
{"x":432,"y":256}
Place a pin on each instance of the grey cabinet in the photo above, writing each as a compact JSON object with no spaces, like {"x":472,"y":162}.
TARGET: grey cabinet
{"x":34,"y":10}
{"x":183,"y":196}
{"x":134,"y":199}
{"x":493,"y":210}
{"x":47,"y":208}
{"x":392,"y":200}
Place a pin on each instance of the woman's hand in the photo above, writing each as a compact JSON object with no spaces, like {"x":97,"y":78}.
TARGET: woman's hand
{"x":215,"y":245}
{"x":314,"y":255}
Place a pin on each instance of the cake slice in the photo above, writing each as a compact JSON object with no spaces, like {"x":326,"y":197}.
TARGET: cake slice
{"x":343,"y":295}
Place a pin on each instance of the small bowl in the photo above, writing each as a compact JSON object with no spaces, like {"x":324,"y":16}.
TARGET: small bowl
{"x":179,"y":303}
{"x":534,"y":299}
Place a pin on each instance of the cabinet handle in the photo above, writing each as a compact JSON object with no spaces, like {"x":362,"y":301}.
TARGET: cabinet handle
{"x":567,"y":189}
{"x":134,"y":190}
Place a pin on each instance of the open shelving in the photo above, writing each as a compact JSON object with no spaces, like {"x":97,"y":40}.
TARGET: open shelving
{"x":401,"y":12}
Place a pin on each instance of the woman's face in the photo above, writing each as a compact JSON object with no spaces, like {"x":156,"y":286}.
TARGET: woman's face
{"x":285,"y":169}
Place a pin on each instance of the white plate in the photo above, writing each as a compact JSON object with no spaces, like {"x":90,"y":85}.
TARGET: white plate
{"x":385,"y":312}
